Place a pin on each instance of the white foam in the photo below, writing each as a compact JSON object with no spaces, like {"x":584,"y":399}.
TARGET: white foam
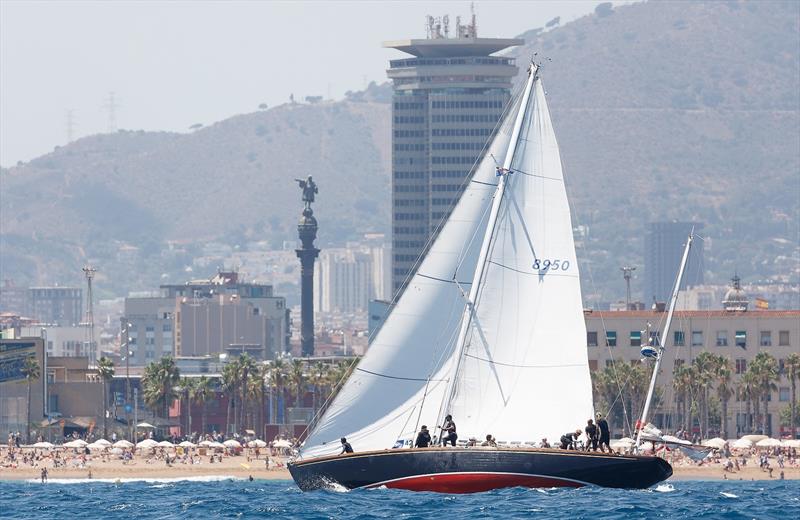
{"x":126,"y":480}
{"x":728,"y":495}
{"x":664,"y":488}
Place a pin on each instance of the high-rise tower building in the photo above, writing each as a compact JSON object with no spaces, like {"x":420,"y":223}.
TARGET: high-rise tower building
{"x":663,"y":247}
{"x":448,"y":98}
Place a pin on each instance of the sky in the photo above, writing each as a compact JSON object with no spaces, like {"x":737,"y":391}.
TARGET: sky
{"x":173,"y":64}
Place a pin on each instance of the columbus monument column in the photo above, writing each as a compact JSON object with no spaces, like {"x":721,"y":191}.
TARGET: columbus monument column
{"x":307,"y":229}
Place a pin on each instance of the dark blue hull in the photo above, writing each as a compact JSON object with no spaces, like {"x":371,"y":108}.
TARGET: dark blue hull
{"x":470,"y":470}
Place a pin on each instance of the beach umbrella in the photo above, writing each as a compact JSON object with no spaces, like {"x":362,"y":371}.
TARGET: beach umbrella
{"x":230,"y":443}
{"x":755,"y":438}
{"x":146,"y":444}
{"x":166,"y":444}
{"x":716,"y":442}
{"x":116,"y":451}
{"x":206,"y":443}
{"x":46,"y":445}
{"x":215,"y":444}
{"x":768,"y":443}
{"x":257,"y":443}
{"x":187,"y":444}
{"x":145,"y":425}
{"x":742,"y":444}
{"x":281,"y":443}
{"x":791,"y":443}
{"x":102,"y":442}
{"x":97,"y":446}
{"x":77,"y":443}
{"x":123,"y":444}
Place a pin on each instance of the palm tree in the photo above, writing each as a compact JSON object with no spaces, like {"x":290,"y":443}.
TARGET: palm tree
{"x":188,"y":390}
{"x":105,"y":369}
{"x":278,"y":378}
{"x":792,"y":368}
{"x":160,"y":380}
{"x":318,"y":378}
{"x":705,"y":373}
{"x":203,"y":392}
{"x":748,"y":393}
{"x":766,"y":370}
{"x":246,"y":365}
{"x":297,"y":379}
{"x":32,"y":372}
{"x":724,"y":391}
{"x":230,"y":384}
{"x":682,"y":382}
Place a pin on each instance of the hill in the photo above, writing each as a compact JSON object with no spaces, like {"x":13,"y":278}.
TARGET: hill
{"x":664,"y":110}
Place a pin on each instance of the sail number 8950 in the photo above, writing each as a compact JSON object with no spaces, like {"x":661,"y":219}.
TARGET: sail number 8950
{"x":550,"y":265}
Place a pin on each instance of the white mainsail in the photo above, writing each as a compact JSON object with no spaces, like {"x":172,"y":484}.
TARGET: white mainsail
{"x":523,"y":371}
{"x":408,"y":358}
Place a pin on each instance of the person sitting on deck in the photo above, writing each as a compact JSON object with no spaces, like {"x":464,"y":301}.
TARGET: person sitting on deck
{"x":569,"y":441}
{"x":449,"y":431}
{"x":423,"y":438}
{"x":489,"y":441}
{"x":544,"y":443}
{"x":346,"y":448}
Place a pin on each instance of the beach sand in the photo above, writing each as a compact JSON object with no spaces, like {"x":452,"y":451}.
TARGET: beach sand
{"x":239,"y":467}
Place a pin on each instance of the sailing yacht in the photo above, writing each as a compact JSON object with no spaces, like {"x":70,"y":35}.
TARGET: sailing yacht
{"x":490,"y":330}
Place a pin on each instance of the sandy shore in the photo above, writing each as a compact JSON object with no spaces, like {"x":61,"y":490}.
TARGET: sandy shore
{"x":239,"y":467}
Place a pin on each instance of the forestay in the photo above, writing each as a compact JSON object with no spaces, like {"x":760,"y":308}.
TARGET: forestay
{"x":525,"y":372}
{"x":381,"y":401}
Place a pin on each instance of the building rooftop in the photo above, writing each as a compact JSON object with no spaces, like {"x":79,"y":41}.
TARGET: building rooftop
{"x":696,"y":314}
{"x":444,"y":47}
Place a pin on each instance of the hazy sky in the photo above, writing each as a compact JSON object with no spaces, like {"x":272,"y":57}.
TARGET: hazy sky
{"x":174,"y":64}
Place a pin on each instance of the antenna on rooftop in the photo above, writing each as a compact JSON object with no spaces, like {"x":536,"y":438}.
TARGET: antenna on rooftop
{"x":111,"y":106}
{"x":70,"y":125}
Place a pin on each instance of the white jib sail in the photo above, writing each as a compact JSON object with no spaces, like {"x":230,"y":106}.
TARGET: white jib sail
{"x":525,"y":373}
{"x":381,"y":401}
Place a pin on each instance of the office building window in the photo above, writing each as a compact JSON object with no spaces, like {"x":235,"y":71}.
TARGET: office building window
{"x":611,"y":338}
{"x":783,"y":338}
{"x":697,"y":338}
{"x":679,"y":338}
{"x":591,"y":339}
{"x":722,"y":338}
{"x":655,"y":338}
{"x":609,"y":363}
{"x":678,"y":363}
{"x":783,"y":394}
{"x":765,"y":339}
{"x":741,"y":338}
{"x":741,"y":366}
{"x":636,"y":338}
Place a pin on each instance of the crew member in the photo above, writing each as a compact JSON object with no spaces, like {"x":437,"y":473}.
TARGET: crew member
{"x":489,"y":441}
{"x":423,"y":438}
{"x":449,"y":431}
{"x":569,"y":440}
{"x":346,"y":448}
{"x":591,"y":435}
{"x":604,"y":433}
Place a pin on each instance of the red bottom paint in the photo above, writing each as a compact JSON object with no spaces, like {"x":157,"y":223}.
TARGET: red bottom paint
{"x":475,"y":482}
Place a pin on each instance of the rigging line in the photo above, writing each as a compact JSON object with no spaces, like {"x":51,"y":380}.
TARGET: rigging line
{"x":484,"y":183}
{"x":397,"y":377}
{"x":538,"y":176}
{"x":443,"y":279}
{"x":521,"y":366}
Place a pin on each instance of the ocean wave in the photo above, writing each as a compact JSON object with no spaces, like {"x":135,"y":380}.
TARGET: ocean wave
{"x":128,"y":480}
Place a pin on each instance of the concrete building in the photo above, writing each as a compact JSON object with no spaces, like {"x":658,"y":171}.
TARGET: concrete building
{"x":13,"y":386}
{"x":60,"y":306}
{"x":64,"y":341}
{"x":12,"y":298}
{"x":663,"y":248}
{"x":739,"y":336}
{"x":448,"y":98}
{"x":346,"y":279}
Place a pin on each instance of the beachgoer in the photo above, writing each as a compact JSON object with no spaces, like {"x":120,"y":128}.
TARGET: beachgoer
{"x":423,"y":438}
{"x":449,"y":431}
{"x":250,"y":478}
{"x":44,"y":475}
{"x":591,"y":435}
{"x":604,"y":433}
{"x":346,"y":448}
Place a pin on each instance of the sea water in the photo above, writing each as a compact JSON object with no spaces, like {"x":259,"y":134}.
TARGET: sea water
{"x":220,"y":497}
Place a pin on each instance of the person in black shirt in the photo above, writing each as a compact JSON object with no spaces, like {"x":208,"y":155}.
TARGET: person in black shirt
{"x":604,"y":433}
{"x":423,"y":438}
{"x":569,"y":440}
{"x":591,"y":435}
{"x":449,"y":431}
{"x":346,"y":448}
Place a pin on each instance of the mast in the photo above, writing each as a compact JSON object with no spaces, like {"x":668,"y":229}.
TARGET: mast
{"x":658,"y":354}
{"x":469,"y":308}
